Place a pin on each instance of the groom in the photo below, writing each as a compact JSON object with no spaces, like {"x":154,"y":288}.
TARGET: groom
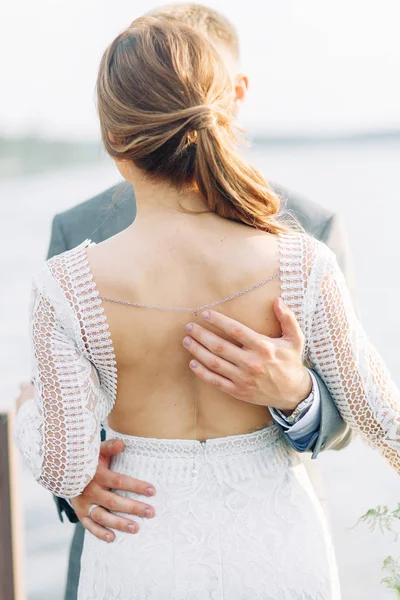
{"x":313,"y":425}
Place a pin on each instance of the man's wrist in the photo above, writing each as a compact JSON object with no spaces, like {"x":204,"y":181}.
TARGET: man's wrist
{"x":300,"y":411}
{"x":306,"y":388}
{"x":300,"y":407}
{"x":307,"y":422}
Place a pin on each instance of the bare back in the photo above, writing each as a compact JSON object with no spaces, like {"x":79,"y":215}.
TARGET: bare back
{"x":181,"y":261}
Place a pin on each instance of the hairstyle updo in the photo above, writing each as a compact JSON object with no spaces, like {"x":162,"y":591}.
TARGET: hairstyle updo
{"x":165,"y":102}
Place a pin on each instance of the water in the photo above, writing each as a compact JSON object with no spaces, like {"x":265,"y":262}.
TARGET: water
{"x":359,"y":180}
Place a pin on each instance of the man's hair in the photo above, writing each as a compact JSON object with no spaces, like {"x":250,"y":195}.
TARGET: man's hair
{"x":206,"y":20}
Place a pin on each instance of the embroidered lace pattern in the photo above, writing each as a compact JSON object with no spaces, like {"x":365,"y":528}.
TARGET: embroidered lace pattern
{"x":232,"y":533}
{"x":337,"y":347}
{"x":74,"y":372}
{"x":76,"y":377}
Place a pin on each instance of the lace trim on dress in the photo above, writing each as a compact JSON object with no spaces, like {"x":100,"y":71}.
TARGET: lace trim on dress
{"x":72,"y":272}
{"x":294,"y":277}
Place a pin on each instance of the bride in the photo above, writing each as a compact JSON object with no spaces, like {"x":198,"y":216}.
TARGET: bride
{"x":236,"y":516}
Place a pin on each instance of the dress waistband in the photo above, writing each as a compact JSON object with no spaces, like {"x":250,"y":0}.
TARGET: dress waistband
{"x":262,"y":451}
{"x":186,"y":448}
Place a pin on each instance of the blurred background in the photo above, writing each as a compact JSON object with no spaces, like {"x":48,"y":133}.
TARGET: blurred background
{"x":324,"y":116}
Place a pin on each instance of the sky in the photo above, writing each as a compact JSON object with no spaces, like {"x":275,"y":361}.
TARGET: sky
{"x":315,"y":66}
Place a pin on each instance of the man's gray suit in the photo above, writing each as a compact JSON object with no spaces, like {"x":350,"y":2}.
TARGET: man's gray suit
{"x":114,"y":210}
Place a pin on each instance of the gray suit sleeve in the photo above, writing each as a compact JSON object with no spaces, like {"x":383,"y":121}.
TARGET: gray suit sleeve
{"x":334,"y":433}
{"x":336,"y":238}
{"x":58,"y":244}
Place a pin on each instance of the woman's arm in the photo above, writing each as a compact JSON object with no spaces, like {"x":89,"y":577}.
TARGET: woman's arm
{"x":58,"y":431}
{"x":353,"y":371}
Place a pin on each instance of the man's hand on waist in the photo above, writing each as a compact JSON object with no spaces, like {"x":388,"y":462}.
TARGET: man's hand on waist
{"x":98,"y":492}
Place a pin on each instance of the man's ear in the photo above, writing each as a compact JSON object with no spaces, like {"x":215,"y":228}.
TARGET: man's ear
{"x":240,"y":86}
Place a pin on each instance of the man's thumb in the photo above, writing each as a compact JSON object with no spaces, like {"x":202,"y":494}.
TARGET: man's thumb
{"x":289,"y":325}
{"x":111,"y":447}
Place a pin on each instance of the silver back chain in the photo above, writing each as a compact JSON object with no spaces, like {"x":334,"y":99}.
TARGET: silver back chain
{"x":194,"y":309}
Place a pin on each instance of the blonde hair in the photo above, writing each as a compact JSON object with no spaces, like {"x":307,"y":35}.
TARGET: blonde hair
{"x":204,"y":19}
{"x":165,"y":103}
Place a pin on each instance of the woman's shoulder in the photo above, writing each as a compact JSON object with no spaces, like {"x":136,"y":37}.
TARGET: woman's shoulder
{"x":67,"y":285}
{"x":302,"y":248}
{"x":65,"y":275}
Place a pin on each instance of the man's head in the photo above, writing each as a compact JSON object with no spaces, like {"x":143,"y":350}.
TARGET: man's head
{"x":219,"y":31}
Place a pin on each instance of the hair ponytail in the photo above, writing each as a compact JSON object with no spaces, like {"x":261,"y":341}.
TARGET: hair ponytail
{"x":233,"y":188}
{"x":164,"y":101}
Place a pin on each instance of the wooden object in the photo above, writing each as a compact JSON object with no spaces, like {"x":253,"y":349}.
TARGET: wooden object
{"x":12,"y":577}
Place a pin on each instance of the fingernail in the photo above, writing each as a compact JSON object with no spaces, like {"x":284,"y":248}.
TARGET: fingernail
{"x":149,"y":512}
{"x":186,"y":342}
{"x":194,"y":364}
{"x":281,"y":303}
{"x":131,"y":528}
{"x":150,"y":491}
{"x":205,"y":315}
{"x":189,"y":327}
{"x":107,"y":537}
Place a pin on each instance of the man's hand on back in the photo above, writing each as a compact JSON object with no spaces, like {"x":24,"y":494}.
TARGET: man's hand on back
{"x":98,"y":491}
{"x":253,"y":367}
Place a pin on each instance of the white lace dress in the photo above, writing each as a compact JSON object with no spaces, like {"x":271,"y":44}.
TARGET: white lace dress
{"x":247,"y":525}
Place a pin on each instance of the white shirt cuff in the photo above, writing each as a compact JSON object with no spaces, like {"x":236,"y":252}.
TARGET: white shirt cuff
{"x":308,"y":423}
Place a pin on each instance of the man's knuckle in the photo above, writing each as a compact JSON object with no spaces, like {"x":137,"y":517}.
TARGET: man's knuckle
{"x":98,"y":516}
{"x":236,"y":331}
{"x":255,"y":368}
{"x":112,"y":504}
{"x":118,"y":482}
{"x":87,"y":495}
{"x":215,"y":382}
{"x":107,"y":520}
{"x":140,"y":487}
{"x":97,"y":477}
{"x":134,"y":508}
{"x":265,"y":348}
{"x":215,"y":364}
{"x":247,"y":362}
{"x":218,"y":348}
{"x":247,"y":383}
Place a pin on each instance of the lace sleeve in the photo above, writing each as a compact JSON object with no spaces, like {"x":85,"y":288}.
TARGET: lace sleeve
{"x":357,"y":378}
{"x":59,"y":431}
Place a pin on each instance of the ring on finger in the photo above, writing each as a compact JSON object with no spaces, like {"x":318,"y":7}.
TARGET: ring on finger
{"x":91,"y":508}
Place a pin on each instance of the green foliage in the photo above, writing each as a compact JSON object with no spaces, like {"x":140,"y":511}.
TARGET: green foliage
{"x":387,"y":521}
{"x":392,"y":569}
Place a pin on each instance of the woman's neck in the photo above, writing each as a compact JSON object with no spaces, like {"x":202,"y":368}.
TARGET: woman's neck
{"x":163,"y":197}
